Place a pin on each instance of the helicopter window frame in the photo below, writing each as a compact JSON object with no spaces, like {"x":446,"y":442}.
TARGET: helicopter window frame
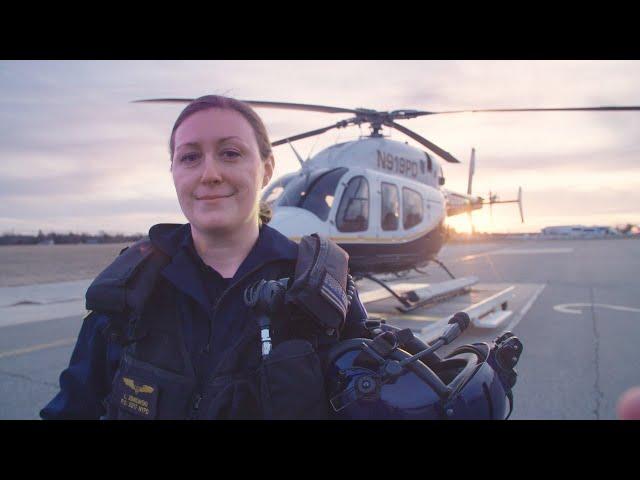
{"x":290,"y":197}
{"x":312,"y":202}
{"x":298,"y":187}
{"x":279,"y":183}
{"x":418,"y":196}
{"x":384,"y":213}
{"x":351,"y":193}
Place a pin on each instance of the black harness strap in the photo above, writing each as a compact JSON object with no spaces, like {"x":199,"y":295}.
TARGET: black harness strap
{"x":123,"y":288}
{"x":382,"y":345}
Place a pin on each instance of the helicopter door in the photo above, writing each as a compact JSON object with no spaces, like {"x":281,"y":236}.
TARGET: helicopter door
{"x":389,"y":209}
{"x":413,"y":211}
{"x":352,"y":218}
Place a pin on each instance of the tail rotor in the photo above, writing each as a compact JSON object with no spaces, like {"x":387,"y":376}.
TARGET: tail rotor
{"x":472,"y":169}
{"x":520,"y":203}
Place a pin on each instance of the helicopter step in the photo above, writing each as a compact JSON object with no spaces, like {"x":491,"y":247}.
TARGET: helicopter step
{"x":417,"y":295}
{"x":492,"y":311}
{"x":490,"y":307}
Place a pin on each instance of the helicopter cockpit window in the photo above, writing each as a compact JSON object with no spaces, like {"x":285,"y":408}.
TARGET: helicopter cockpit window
{"x":294,"y":191}
{"x":353,"y":212}
{"x":274,"y":191}
{"x":412,"y":210}
{"x":313,"y":192}
{"x":319,"y":196}
{"x":390,"y":206}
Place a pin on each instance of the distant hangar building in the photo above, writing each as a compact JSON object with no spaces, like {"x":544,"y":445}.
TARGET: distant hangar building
{"x":578,"y":231}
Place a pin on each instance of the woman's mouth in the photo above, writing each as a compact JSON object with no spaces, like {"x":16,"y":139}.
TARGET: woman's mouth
{"x":213,"y":197}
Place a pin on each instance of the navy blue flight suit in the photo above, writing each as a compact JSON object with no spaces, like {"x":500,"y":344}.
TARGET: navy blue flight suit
{"x":208,"y":351}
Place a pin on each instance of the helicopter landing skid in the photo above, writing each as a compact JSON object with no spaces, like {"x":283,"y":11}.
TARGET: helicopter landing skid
{"x":414,"y":298}
{"x":433,"y":294}
{"x":442,"y":265}
{"x":404,"y":298}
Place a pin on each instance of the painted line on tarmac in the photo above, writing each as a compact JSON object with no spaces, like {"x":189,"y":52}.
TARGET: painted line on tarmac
{"x":576,"y":308}
{"x":523,"y":311}
{"x":517,"y":251}
{"x":42,"y":346}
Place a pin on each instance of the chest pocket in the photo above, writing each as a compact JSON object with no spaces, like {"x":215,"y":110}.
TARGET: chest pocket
{"x":292,"y":383}
{"x":288,"y":385}
{"x":232,"y":398}
{"x":141,"y":391}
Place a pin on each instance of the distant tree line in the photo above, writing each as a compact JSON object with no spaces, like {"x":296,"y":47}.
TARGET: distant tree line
{"x":625,"y":230}
{"x":66,"y":238}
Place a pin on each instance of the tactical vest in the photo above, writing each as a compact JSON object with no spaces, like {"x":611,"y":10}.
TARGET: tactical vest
{"x":156,"y":378}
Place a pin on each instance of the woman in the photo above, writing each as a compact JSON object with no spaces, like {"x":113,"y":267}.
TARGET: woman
{"x":170,"y":335}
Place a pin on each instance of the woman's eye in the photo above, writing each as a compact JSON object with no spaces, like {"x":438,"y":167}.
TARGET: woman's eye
{"x":230,"y":154}
{"x":189,"y":158}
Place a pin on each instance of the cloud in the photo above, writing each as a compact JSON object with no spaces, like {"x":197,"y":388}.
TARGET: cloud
{"x":73,"y":148}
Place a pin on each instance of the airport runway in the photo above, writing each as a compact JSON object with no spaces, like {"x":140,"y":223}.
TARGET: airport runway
{"x":576,"y":308}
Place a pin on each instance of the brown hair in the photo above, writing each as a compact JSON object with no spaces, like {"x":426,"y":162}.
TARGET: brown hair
{"x":227,"y":103}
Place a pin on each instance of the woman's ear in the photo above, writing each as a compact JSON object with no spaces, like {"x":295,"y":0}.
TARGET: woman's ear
{"x":269,"y":165}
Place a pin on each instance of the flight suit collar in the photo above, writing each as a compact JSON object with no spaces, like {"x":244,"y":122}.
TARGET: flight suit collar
{"x":174,"y":240}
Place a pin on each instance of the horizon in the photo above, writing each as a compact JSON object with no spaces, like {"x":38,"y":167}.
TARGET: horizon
{"x":116,"y":233}
{"x":79,"y":157}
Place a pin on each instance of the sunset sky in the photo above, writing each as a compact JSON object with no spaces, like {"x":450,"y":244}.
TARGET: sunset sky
{"x":76,"y":155}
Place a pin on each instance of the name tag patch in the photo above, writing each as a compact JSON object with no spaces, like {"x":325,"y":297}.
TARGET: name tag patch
{"x":139,"y":398}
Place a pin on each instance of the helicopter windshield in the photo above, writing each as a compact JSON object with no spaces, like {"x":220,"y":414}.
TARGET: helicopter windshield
{"x":271,"y":195}
{"x":313,"y":192}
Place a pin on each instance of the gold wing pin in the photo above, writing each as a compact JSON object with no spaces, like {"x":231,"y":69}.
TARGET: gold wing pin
{"x":131,"y":384}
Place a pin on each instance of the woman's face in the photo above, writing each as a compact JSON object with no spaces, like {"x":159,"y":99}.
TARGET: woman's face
{"x":217,"y":170}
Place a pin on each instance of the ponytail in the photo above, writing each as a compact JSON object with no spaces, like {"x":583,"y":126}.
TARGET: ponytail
{"x":265,"y":213}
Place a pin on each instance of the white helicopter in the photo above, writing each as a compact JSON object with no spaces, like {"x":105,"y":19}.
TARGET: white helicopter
{"x":381,"y":200}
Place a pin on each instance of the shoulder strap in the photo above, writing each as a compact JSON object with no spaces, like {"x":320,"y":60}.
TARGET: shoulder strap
{"x":127,"y":283}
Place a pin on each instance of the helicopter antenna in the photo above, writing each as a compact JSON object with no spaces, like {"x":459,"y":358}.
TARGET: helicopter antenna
{"x":296,"y":153}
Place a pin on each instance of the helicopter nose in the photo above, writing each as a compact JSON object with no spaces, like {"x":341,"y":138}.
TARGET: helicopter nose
{"x":294,"y":222}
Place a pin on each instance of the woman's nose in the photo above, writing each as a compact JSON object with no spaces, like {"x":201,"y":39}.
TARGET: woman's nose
{"x":211,"y":173}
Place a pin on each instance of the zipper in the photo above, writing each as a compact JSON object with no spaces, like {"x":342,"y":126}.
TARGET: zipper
{"x":214,"y":311}
{"x":197,"y":397}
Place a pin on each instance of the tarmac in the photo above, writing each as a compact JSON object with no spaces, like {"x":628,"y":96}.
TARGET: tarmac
{"x":575,"y":304}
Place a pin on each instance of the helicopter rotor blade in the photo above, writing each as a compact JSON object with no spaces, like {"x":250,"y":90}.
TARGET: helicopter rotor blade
{"x":300,"y":106}
{"x":262,"y":104}
{"x":311,"y":133}
{"x":400,"y":114}
{"x":563,"y":109}
{"x":164,"y":100}
{"x":406,"y":114}
{"x":418,"y":138}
